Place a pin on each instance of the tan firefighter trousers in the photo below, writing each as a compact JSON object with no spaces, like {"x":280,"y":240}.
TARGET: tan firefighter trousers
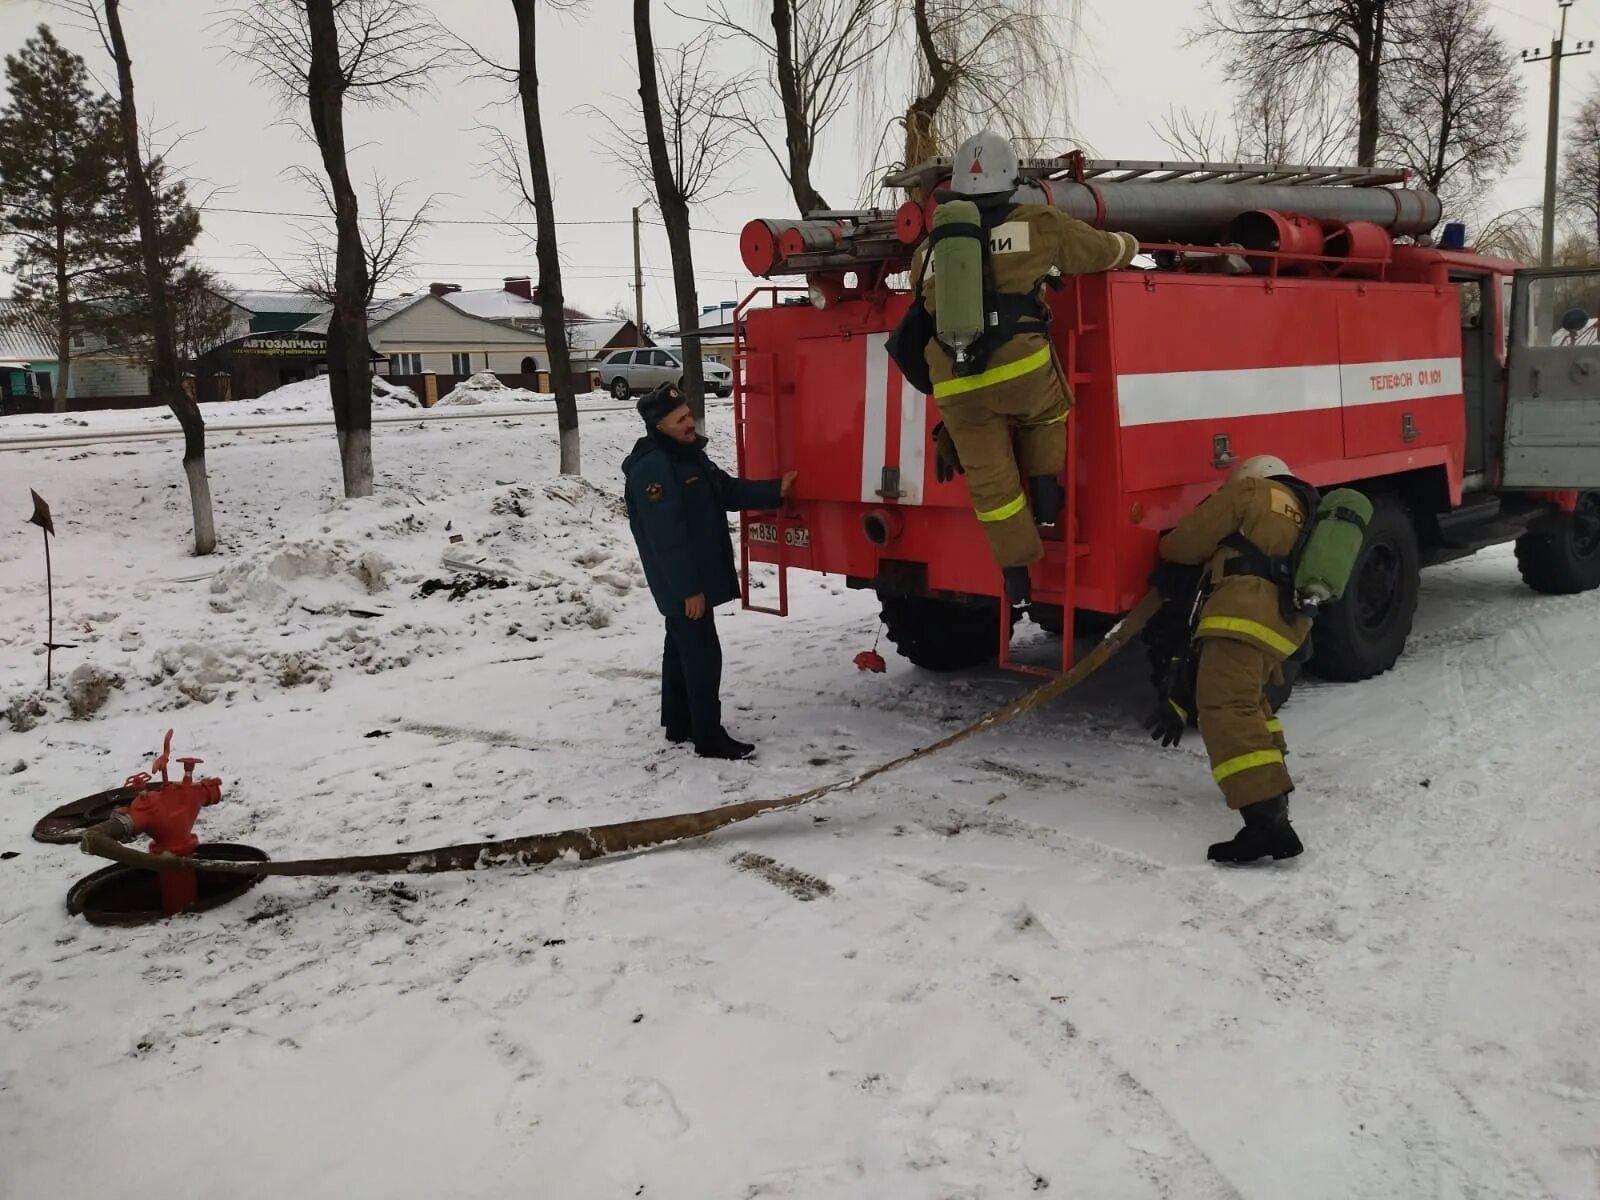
{"x":1243,"y":739}
{"x":981,"y":421}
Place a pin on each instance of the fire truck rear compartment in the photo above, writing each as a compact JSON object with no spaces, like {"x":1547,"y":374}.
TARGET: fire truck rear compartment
{"x":1395,"y":369}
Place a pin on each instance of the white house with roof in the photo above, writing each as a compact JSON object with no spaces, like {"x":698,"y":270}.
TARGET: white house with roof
{"x":423,"y":333}
{"x":515,"y":302}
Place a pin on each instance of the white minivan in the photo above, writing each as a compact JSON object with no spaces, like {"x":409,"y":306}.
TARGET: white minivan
{"x":626,"y":372}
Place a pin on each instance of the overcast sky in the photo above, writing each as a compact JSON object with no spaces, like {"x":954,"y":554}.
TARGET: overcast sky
{"x":1134,"y":68}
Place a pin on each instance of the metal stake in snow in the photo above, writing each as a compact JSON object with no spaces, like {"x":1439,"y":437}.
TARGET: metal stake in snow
{"x":41,"y":518}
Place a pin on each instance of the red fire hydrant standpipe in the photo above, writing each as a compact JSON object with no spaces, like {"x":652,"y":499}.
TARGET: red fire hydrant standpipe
{"x":167,"y":814}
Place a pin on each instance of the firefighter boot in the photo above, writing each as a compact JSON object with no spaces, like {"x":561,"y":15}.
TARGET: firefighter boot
{"x":725,"y":746}
{"x":1019,"y":585}
{"x":1049,"y":497}
{"x":1266,"y":831}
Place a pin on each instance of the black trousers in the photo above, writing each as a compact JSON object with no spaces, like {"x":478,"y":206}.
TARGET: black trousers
{"x":691,"y":679}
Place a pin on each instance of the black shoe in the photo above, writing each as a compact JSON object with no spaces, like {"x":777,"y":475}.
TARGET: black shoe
{"x":1049,"y":498}
{"x":1019,"y":586}
{"x":1266,"y":831}
{"x":725,"y":747}
{"x":678,"y":736}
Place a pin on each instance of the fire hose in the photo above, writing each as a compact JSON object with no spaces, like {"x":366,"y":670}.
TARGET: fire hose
{"x":597,"y":841}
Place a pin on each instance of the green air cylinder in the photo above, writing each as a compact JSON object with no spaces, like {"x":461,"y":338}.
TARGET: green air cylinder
{"x":1330,"y":552}
{"x":958,"y":267}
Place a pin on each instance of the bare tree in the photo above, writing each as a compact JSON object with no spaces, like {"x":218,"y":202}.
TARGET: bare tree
{"x":681,"y":154}
{"x":970,"y":64}
{"x":536,"y":192}
{"x":1451,"y":98}
{"x":818,"y":52}
{"x":1307,"y":41}
{"x":1580,"y":168}
{"x":1276,"y":119}
{"x":321,"y":53}
{"x":166,"y":383}
{"x":1517,"y":234}
{"x":389,"y":233}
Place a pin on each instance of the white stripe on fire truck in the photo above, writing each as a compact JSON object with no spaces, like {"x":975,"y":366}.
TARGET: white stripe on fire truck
{"x":875,"y":418}
{"x":913,"y":442}
{"x":1266,"y":391}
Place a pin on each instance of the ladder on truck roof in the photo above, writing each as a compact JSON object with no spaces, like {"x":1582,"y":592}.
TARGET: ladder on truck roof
{"x":1074,"y":167}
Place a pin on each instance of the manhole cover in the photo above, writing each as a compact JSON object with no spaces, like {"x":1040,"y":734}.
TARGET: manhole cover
{"x":119,"y":895}
{"x":67,"y":823}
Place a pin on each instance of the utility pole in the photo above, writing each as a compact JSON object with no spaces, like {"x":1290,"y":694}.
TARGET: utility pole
{"x":638,"y":278}
{"x":1547,"y":247}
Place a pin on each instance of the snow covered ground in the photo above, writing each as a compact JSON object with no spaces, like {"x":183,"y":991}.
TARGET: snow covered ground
{"x":998,"y":973}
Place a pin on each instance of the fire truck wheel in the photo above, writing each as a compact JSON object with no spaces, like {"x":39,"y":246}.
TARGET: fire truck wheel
{"x":1364,"y":633}
{"x":619,"y":388}
{"x":1085,"y":623}
{"x":1561,"y":554}
{"x":942,"y":635}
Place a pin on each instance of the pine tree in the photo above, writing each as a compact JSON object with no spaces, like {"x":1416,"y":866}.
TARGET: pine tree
{"x":121,"y":315}
{"x":58,"y":173}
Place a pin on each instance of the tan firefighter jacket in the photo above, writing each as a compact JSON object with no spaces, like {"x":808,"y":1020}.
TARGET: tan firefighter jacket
{"x":1031,"y":244}
{"x":1243,"y":607}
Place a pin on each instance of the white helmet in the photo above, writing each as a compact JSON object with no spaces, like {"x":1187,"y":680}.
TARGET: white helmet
{"x":1261,"y":466}
{"x":986,"y":165}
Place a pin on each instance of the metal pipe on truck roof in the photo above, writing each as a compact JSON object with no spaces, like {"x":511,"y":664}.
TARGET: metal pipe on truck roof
{"x":1199,"y":212}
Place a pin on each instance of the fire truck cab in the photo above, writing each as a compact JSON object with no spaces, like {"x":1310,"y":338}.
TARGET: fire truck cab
{"x":1299,"y":311}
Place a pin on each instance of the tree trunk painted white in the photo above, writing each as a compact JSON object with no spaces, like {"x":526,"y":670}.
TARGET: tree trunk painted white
{"x":569,"y":452}
{"x":205,"y":523}
{"x":355,"y":456}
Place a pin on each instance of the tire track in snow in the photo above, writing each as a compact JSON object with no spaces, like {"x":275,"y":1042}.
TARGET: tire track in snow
{"x":1131,"y":1113}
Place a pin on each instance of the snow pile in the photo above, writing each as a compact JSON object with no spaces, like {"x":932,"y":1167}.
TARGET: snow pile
{"x":563,"y":545}
{"x":486,"y":388}
{"x":316,"y":396}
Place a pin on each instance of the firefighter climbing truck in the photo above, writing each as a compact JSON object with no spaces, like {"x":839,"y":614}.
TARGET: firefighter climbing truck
{"x":1300,"y":311}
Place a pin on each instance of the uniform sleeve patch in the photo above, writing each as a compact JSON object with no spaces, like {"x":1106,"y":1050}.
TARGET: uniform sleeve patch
{"x":653,"y":492}
{"x":1014,"y":237}
{"x":1285,"y":505}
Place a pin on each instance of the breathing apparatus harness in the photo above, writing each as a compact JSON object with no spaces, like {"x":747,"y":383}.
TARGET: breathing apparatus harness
{"x":1300,"y":590}
{"x":1005,"y":314}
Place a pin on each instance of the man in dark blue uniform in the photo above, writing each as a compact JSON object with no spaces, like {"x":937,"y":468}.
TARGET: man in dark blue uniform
{"x":678,"y":501}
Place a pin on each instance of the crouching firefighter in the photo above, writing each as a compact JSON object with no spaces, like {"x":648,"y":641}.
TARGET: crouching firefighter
{"x":979,"y":342}
{"x":1269,"y":551}
{"x":678,"y":501}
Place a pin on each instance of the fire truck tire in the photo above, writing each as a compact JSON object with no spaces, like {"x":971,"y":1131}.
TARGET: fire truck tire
{"x":619,"y":388}
{"x":1561,"y":555}
{"x":1365,"y":632}
{"x":942,"y":635}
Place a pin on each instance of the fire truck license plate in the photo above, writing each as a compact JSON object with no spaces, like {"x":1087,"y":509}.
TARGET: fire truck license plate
{"x":796,"y":537}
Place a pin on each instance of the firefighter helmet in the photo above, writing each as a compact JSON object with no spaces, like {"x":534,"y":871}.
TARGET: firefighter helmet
{"x":1261,"y":466}
{"x":986,"y":165}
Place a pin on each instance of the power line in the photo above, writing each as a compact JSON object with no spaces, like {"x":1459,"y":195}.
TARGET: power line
{"x":303,"y":216}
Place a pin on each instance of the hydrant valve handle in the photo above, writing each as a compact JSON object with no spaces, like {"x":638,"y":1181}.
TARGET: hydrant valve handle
{"x":189,"y":765}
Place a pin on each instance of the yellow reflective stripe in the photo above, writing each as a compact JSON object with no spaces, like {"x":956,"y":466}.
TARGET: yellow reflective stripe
{"x":1004,"y":512}
{"x":1228,"y":768}
{"x":1268,"y":637}
{"x":1179,"y":709}
{"x":1274,"y":726}
{"x":1055,"y":420}
{"x":994,"y":375}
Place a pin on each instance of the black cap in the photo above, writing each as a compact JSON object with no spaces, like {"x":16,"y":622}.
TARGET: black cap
{"x":656,"y":405}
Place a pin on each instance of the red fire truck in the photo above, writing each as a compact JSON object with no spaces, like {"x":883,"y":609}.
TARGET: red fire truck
{"x":1299,"y":311}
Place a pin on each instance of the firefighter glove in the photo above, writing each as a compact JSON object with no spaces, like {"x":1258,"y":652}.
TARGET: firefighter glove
{"x":946,"y":462}
{"x":1174,"y":699}
{"x":1166,"y":723}
{"x":1176,"y":581}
